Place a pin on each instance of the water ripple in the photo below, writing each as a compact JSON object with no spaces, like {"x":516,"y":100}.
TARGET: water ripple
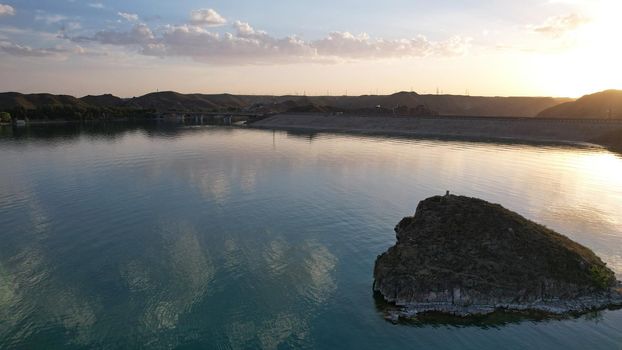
{"x":168,"y":237}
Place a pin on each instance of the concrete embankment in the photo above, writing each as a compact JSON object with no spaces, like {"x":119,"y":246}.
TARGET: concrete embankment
{"x":493,"y":128}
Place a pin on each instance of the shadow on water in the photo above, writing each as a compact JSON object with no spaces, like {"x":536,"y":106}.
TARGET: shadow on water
{"x":110,"y":130}
{"x":312,"y":135}
{"x":166,"y":247}
{"x":497,"y":319}
{"x":304,"y":135}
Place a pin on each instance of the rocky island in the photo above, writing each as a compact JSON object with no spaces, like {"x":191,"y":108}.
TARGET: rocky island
{"x":464,"y":256}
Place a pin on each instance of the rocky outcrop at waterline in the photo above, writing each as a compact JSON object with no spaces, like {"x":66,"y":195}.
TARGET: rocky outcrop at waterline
{"x":464,"y":256}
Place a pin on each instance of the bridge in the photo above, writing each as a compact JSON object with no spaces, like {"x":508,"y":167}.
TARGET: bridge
{"x":228,"y":118}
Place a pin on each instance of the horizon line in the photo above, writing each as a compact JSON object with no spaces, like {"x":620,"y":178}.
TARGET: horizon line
{"x":295,"y":94}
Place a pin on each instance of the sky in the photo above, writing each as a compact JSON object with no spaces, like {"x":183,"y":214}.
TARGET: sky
{"x":564,"y":48}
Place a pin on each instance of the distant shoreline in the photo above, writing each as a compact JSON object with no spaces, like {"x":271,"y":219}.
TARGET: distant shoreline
{"x":503,"y":129}
{"x":538,"y":131}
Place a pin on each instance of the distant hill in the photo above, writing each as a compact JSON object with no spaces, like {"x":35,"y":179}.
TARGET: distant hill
{"x":491,"y":106}
{"x":64,"y":107}
{"x":13,"y":100}
{"x":601,"y":105}
{"x":449,"y":104}
{"x":409,"y":103}
{"x":173,"y":101}
{"x":106,"y":100}
{"x":438,"y":104}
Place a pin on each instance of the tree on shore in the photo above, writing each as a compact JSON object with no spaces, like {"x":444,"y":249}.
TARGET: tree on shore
{"x":5,"y":117}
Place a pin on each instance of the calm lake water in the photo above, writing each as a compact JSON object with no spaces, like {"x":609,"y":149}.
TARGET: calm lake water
{"x":120,"y":236}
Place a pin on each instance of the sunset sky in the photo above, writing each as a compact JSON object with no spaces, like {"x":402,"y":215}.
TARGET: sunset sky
{"x":483,"y":47}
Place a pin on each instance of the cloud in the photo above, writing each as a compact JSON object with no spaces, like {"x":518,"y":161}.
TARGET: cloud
{"x":130,"y":17}
{"x":208,"y":17}
{"x":97,"y":5}
{"x":36,"y":35}
{"x":27,"y":51}
{"x":6,"y":10}
{"x":570,"y":2}
{"x":246,"y":45}
{"x":49,"y":18}
{"x":347,"y":45}
{"x":140,"y":35}
{"x":558,"y":26}
{"x":71,"y":26}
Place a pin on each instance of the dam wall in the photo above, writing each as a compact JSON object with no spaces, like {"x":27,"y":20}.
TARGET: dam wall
{"x":528,"y":129}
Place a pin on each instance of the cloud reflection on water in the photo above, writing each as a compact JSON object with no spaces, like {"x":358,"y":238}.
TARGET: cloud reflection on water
{"x":243,"y":237}
{"x":174,"y":276}
{"x":282,"y":273}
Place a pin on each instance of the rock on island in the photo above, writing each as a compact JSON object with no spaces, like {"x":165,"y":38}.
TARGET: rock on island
{"x":464,"y":256}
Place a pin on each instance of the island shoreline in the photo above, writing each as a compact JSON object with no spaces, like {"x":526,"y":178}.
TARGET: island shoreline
{"x":547,"y":307}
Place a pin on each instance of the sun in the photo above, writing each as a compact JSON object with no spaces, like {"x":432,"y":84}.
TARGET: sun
{"x":602,"y":32}
{"x":590,"y":58}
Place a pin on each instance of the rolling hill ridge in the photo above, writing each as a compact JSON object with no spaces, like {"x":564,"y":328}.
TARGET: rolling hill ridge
{"x":602,"y":105}
{"x":169,"y":101}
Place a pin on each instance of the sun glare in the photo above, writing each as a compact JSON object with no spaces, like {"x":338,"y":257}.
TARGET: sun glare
{"x":590,"y":57}
{"x":602,"y":33}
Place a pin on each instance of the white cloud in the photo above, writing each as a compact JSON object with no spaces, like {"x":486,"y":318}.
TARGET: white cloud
{"x":36,"y":35}
{"x":246,"y":45}
{"x":6,"y":10}
{"x":245,"y":29}
{"x":130,"y":17}
{"x":71,"y":26}
{"x":27,"y":51}
{"x":140,"y":35}
{"x":347,"y":45}
{"x":97,"y":5}
{"x":208,"y":17}
{"x":558,"y":26}
{"x":50,"y":18}
{"x":570,"y":2}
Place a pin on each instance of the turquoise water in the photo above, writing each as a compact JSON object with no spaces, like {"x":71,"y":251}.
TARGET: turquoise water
{"x":120,"y":236}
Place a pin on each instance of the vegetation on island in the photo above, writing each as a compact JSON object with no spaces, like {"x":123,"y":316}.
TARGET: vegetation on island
{"x":458,"y":251}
